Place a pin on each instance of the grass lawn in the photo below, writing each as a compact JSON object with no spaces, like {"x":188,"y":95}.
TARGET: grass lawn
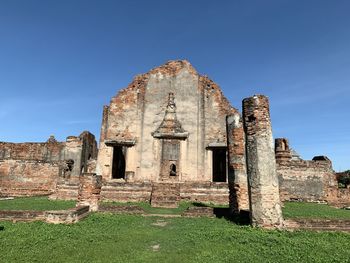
{"x":130,"y":238}
{"x":35,"y":203}
{"x":313,"y":210}
{"x":290,"y":209}
{"x":152,"y":210}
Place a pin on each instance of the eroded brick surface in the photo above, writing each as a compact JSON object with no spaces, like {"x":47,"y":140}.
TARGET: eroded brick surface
{"x":139,"y":120}
{"x":265,"y":206}
{"x":173,"y":127}
{"x":307,"y":180}
{"x":238,"y":183}
{"x":28,"y":169}
{"x":27,"y":178}
{"x":89,"y":190}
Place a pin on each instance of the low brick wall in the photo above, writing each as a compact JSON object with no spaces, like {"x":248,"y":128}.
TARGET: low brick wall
{"x":27,"y":178}
{"x":121,"y":209}
{"x":305,"y":180}
{"x":317,"y":224}
{"x":199,"y":212}
{"x":69,"y":216}
{"x":339,"y":197}
{"x":22,"y":215}
{"x":45,"y":151}
{"x":207,"y":192}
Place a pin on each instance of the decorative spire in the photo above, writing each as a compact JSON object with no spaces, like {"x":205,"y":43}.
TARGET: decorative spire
{"x":51,"y":139}
{"x":171,"y":103}
{"x":170,"y":126}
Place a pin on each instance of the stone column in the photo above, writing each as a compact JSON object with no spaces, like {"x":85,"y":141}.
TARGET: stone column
{"x":89,"y":190}
{"x":73,"y":151}
{"x":237,"y":179}
{"x":265,"y":206}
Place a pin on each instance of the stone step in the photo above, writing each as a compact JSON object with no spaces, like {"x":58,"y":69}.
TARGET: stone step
{"x":166,"y":195}
{"x":199,"y":212}
{"x":68,"y":187}
{"x":162,"y":193}
{"x":165,"y":204}
{"x":134,"y":185}
{"x":166,"y":188}
{"x":166,"y":198}
{"x":65,"y":191}
{"x":121,"y":209}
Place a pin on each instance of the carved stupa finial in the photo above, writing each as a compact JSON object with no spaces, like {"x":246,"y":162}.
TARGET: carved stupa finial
{"x":170,"y":126}
{"x":171,"y":102}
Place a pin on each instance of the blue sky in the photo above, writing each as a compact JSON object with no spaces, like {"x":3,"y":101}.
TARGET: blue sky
{"x":61,"y":61}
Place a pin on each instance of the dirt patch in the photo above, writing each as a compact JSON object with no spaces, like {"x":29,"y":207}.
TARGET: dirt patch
{"x":161,"y":223}
{"x":156,"y":247}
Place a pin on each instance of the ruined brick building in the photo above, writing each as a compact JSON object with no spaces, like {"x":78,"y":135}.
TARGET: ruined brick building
{"x":169,"y":126}
{"x":171,"y":135}
{"x":28,"y":169}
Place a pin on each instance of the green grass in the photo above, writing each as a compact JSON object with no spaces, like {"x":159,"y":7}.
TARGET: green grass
{"x":290,"y":209}
{"x":155,"y":210}
{"x":313,"y":210}
{"x":129,"y":238}
{"x":35,"y":203}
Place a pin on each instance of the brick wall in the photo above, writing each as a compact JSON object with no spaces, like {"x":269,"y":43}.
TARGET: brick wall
{"x":31,"y":151}
{"x":27,"y":178}
{"x":306,"y":180}
{"x":28,"y":169}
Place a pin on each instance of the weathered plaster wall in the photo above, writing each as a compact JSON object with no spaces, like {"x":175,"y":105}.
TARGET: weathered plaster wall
{"x":305,"y":180}
{"x":300,"y":179}
{"x":137,"y":111}
{"x":80,"y":149}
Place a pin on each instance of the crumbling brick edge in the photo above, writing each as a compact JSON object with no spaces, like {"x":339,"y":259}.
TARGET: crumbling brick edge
{"x":74,"y":215}
{"x":68,"y":216}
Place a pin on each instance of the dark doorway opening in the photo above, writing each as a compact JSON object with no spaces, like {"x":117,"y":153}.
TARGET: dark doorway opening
{"x":219,"y":165}
{"x":172,"y":170}
{"x":118,"y":165}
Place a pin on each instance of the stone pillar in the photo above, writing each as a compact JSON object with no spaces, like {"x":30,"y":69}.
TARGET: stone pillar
{"x":89,"y":190}
{"x":237,"y":179}
{"x":104,"y":124}
{"x":73,"y":151}
{"x":265,"y":205}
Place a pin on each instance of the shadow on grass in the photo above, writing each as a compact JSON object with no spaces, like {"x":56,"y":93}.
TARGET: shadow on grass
{"x":224,"y":212}
{"x":197,"y":204}
{"x":240,"y":219}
